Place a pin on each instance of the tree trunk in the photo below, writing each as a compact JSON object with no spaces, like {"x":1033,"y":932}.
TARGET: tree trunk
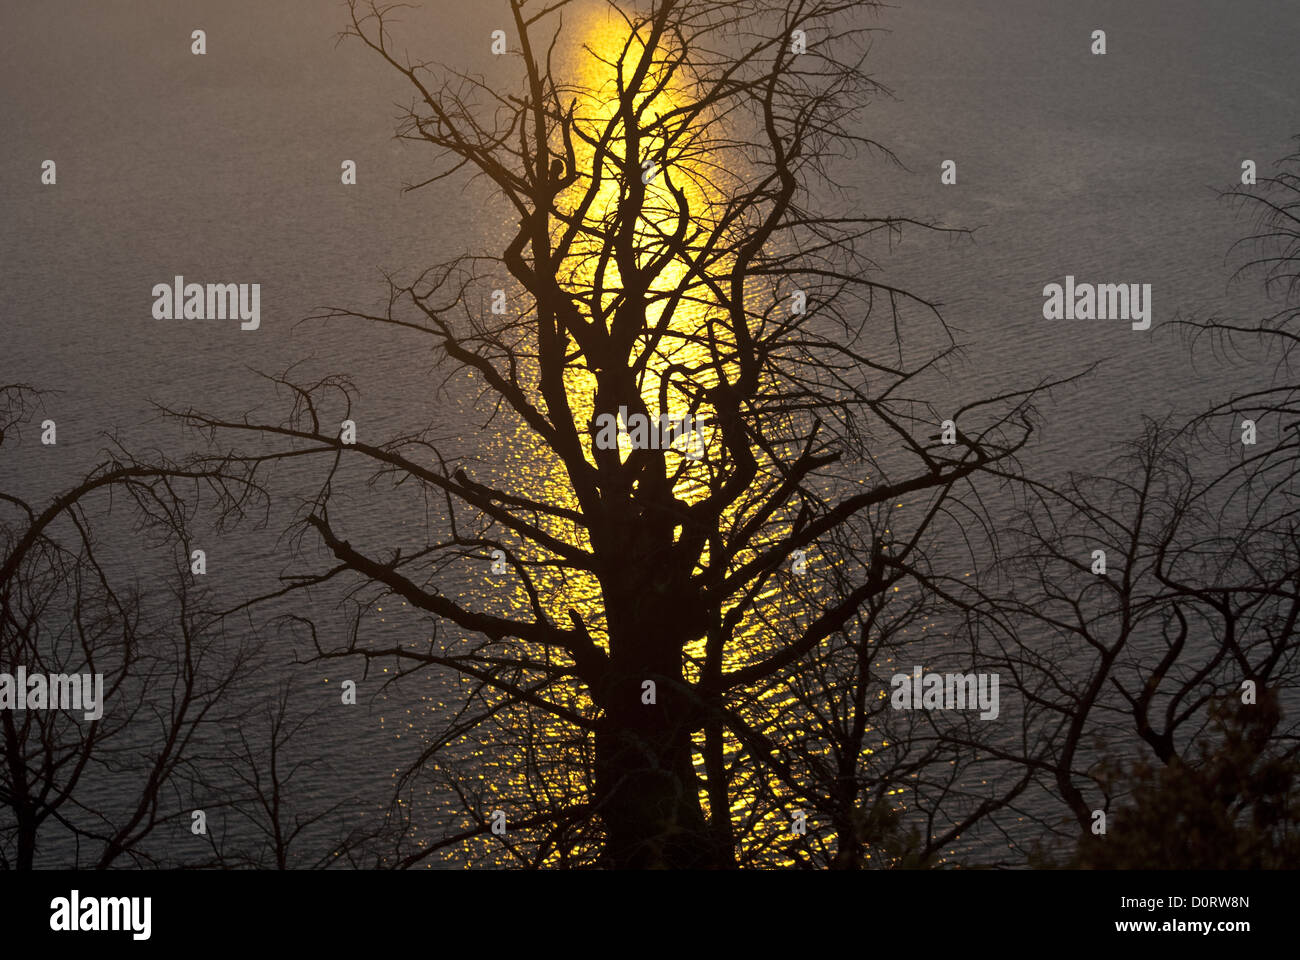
{"x":646,"y":789}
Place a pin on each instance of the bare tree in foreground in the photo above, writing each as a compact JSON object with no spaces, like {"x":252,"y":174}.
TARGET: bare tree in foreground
{"x":673,"y":255}
{"x":1162,"y":599}
{"x":102,"y":783}
{"x":97,"y":583}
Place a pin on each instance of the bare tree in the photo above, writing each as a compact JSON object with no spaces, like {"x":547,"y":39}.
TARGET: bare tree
{"x":116,"y":781}
{"x":1147,"y":616}
{"x":103,"y":785}
{"x":674,"y":255}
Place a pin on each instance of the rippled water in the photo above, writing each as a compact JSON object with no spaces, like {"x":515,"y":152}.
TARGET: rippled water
{"x":225,"y":168}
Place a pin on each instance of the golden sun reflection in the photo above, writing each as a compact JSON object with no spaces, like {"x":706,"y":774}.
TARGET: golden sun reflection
{"x":685,"y":342}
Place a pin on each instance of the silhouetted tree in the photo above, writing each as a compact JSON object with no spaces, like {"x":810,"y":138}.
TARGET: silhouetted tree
{"x":673,"y":253}
{"x":117,"y":788}
{"x":101,"y":787}
{"x":1132,"y":674}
